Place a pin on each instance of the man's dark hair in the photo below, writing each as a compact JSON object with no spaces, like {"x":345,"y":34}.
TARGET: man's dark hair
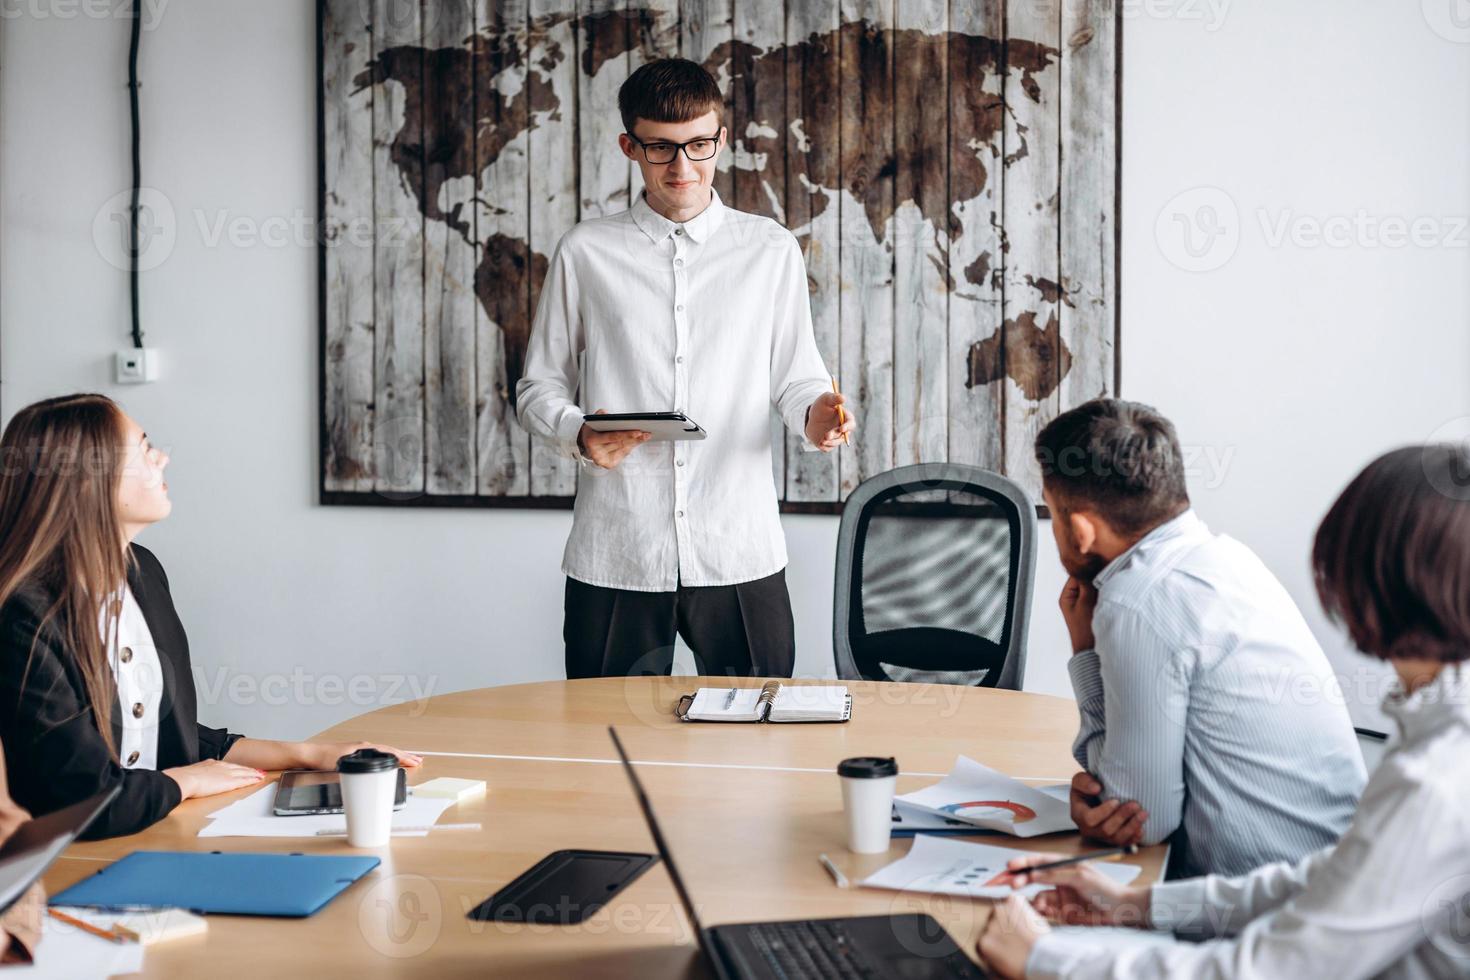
{"x":670,"y":90}
{"x":1392,"y":557}
{"x":1119,"y":459}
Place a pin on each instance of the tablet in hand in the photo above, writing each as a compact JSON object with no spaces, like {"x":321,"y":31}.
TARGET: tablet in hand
{"x":665,"y":426}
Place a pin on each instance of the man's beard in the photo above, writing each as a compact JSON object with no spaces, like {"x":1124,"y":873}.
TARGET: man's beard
{"x":1081,"y":566}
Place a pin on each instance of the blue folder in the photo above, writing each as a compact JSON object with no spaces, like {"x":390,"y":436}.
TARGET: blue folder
{"x":293,"y":885}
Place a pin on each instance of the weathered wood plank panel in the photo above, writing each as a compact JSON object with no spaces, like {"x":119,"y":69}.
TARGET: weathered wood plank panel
{"x":921,"y":235}
{"x":1032,"y":354}
{"x":347,"y":222}
{"x":398,"y":253}
{"x":707,"y":27}
{"x":449,"y":249}
{"x":603,"y":173}
{"x":552,"y":67}
{"x":948,"y":166}
{"x":814,"y":175}
{"x":757,"y":68}
{"x":867,"y":297}
{"x":976,"y":130}
{"x":1088,"y":279}
{"x":503,"y":96}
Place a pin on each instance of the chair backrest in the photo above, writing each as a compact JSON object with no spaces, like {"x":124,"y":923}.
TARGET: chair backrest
{"x":935,"y":565}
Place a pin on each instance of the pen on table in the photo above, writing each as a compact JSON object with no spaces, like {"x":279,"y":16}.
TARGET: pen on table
{"x":841,"y":415}
{"x":328,"y":832}
{"x":730,"y":698}
{"x":1066,"y":862}
{"x":86,"y":926}
{"x":837,"y":876}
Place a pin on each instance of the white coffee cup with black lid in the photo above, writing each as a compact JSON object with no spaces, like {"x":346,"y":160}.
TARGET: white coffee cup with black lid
{"x":369,"y":780}
{"x":867,"y":798}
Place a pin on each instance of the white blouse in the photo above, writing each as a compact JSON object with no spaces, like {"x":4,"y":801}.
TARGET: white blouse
{"x":139,"y":676}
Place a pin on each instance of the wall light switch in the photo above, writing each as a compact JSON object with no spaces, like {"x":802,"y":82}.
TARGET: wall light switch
{"x":137,"y":365}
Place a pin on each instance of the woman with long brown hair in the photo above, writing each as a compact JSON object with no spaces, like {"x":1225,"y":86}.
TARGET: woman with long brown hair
{"x":95,"y":682}
{"x":1391,"y":898}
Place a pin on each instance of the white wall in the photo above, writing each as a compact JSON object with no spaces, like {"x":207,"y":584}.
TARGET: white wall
{"x":1292,"y":364}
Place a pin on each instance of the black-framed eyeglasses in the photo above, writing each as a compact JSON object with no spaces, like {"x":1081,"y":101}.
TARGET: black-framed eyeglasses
{"x":662,"y":151}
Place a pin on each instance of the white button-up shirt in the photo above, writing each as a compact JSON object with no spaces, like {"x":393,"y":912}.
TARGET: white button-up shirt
{"x":1188,"y":705}
{"x":710,"y":318}
{"x":139,"y":677}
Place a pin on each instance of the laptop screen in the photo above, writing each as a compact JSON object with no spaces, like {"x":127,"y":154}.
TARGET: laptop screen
{"x":663,"y":848}
{"x":28,"y":852}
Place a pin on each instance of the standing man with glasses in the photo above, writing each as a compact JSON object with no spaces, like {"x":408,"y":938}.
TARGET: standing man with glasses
{"x":677,"y":304}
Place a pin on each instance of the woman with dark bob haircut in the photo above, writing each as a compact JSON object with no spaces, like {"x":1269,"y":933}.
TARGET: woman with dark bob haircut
{"x":1392,"y":897}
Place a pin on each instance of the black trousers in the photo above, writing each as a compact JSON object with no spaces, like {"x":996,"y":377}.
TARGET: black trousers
{"x":733,"y":630}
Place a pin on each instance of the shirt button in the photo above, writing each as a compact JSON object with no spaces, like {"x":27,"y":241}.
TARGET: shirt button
{"x":133,"y":758}
{"x":678,"y":261}
{"x":127,"y":655}
{"x":679,"y":463}
{"x":679,"y":359}
{"x":678,"y":231}
{"x":138,"y":709}
{"x":680,"y":307}
{"x":679,"y":513}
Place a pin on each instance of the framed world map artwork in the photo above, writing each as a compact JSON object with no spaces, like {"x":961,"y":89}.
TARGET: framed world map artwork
{"x":948,"y":166}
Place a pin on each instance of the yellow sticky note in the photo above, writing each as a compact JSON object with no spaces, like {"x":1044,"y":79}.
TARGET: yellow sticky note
{"x":449,"y":788}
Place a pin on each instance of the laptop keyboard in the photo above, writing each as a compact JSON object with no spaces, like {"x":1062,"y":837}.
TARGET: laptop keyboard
{"x":798,"y":950}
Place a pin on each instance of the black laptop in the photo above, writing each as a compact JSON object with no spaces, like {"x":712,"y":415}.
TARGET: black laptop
{"x":913,"y":946}
{"x":26,"y":854}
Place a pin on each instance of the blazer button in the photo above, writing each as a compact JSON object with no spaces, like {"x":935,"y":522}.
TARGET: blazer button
{"x":133,"y":758}
{"x":138,"y":710}
{"x":127,"y":655}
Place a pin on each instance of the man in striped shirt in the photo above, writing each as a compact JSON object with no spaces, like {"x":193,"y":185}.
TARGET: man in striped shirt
{"x":1210,"y":716}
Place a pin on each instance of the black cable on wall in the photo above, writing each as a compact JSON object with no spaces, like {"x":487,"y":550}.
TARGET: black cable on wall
{"x":137,"y":176}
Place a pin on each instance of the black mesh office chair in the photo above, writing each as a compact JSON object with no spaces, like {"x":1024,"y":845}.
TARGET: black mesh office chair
{"x":935,"y":567}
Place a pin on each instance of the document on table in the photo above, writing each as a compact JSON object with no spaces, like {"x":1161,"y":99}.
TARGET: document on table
{"x":979,"y":795}
{"x":252,"y":817}
{"x":946,"y":866}
{"x":66,"y":952}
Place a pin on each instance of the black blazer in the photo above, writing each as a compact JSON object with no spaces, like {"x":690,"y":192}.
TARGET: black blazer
{"x":54,"y":755}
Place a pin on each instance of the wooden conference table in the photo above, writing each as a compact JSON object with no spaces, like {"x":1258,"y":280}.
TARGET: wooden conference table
{"x":746,"y":810}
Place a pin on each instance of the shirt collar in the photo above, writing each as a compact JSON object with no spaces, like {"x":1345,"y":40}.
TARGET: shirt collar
{"x":699,"y":228}
{"x":1176,"y":527}
{"x":1432,"y":706}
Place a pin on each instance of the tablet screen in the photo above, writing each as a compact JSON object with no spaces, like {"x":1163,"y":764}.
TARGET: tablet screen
{"x":303,"y":791}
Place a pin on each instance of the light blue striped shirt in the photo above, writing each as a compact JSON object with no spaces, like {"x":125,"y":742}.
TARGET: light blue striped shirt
{"x":1208,"y":700}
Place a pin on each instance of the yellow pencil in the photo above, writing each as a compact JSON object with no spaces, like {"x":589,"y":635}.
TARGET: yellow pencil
{"x":86,"y":926}
{"x":841,"y":415}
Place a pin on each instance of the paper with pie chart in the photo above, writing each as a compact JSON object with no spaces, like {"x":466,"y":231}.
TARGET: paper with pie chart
{"x":990,"y":800}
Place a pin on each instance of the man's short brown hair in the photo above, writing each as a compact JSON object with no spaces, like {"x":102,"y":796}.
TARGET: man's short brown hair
{"x":670,"y":90}
{"x":1120,"y":459}
{"x":1392,"y":557}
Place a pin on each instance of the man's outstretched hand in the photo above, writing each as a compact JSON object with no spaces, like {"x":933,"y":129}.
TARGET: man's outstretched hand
{"x":823,"y":426}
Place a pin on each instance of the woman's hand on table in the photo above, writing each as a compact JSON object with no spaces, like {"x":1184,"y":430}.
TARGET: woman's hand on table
{"x":324,"y":755}
{"x":212,"y":777}
{"x":1081,"y":896}
{"x":1014,"y":928}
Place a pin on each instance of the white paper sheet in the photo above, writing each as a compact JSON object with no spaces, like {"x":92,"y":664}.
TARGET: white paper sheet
{"x":946,"y":866}
{"x":991,"y":800}
{"x":252,"y":817}
{"x":67,"y":953}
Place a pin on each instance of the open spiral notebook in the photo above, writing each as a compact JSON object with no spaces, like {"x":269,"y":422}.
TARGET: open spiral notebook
{"x":774,"y":702}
